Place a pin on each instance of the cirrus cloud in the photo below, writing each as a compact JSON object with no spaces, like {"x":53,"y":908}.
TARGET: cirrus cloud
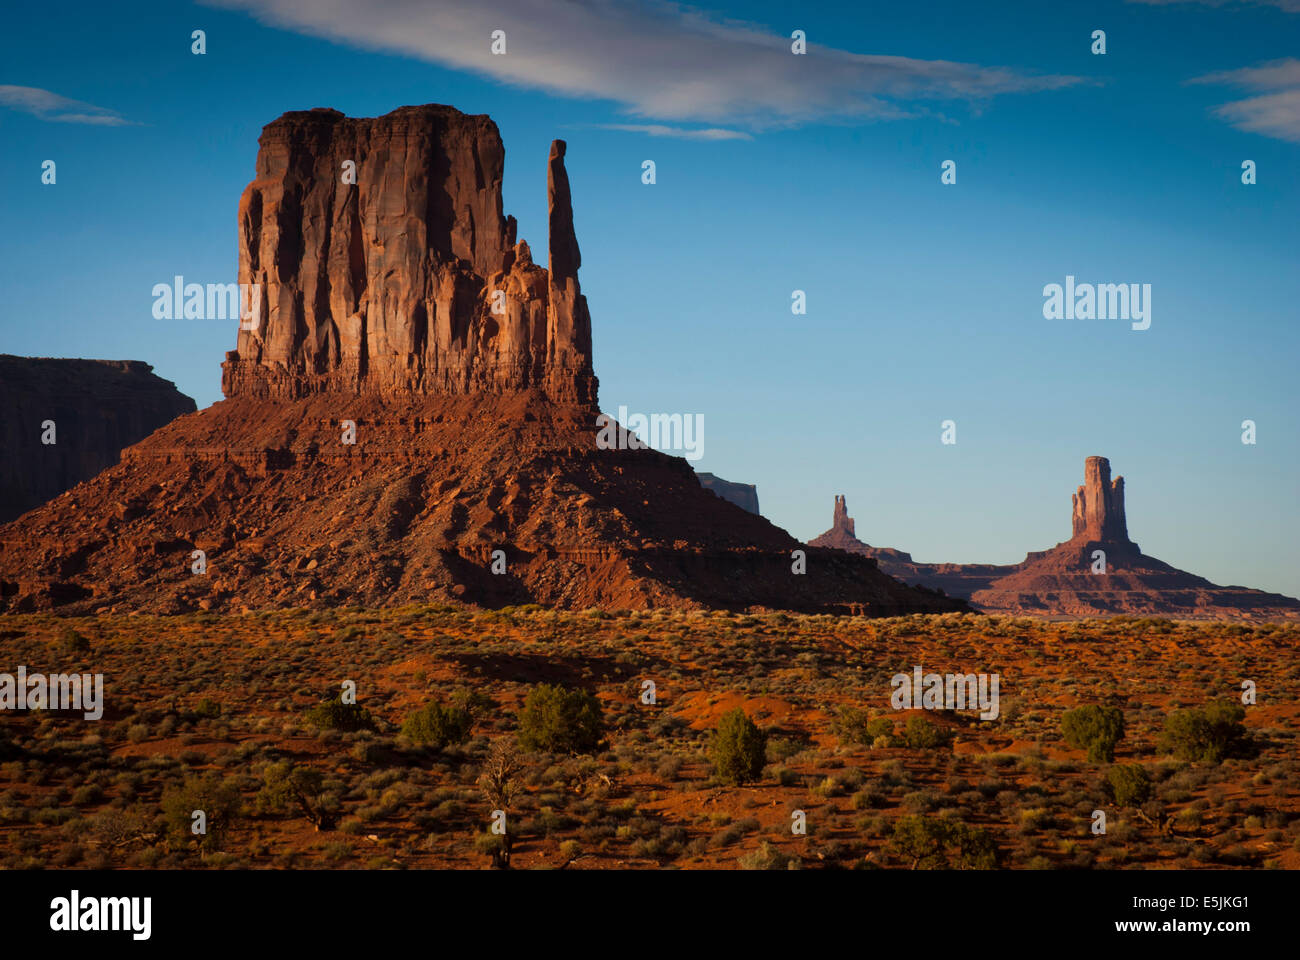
{"x":658,"y":60}
{"x":1275,"y":111}
{"x":1287,"y":6}
{"x":57,"y":109}
{"x":683,"y":133}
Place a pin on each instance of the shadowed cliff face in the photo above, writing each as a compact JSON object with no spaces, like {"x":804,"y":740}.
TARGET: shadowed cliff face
{"x":97,"y":407}
{"x":388,"y":267}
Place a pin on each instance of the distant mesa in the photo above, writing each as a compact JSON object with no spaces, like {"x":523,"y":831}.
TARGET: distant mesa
{"x":743,"y":495}
{"x":95,"y":407}
{"x":1061,"y":582}
{"x":402,"y":311}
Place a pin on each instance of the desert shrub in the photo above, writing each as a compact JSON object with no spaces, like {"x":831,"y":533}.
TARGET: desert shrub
{"x":937,"y":843}
{"x":337,"y":715}
{"x":669,"y":768}
{"x":1209,"y":733}
{"x":1094,"y":728}
{"x":558,"y":720}
{"x":1128,"y":784}
{"x":495,"y":846}
{"x":858,"y":726}
{"x":869,"y":798}
{"x":786,"y":777}
{"x":739,"y":748}
{"x":219,"y":800}
{"x":767,"y":857}
{"x":119,"y":828}
{"x":780,"y":749}
{"x":86,"y":795}
{"x":438,"y":726}
{"x":921,"y":733}
{"x":70,"y":641}
{"x":472,"y":702}
{"x":829,"y":787}
{"x":207,"y":708}
{"x":287,"y":787}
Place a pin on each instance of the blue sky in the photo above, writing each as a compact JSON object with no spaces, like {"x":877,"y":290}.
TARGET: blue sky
{"x":819,"y":173}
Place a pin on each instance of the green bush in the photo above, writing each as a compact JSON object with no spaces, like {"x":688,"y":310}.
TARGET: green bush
{"x":560,"y":721}
{"x":921,"y":733}
{"x":1209,"y":733}
{"x":337,"y":715}
{"x":858,"y":726}
{"x":218,"y":799}
{"x":739,"y":748}
{"x":1095,"y":729}
{"x":1128,"y":784}
{"x":283,"y":783}
{"x":286,"y":787}
{"x":438,"y":726}
{"x":938,"y":843}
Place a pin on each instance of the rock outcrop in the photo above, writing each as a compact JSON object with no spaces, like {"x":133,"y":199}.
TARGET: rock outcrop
{"x":1098,"y":506}
{"x":950,"y":579}
{"x":95,"y":408}
{"x":389,"y":437}
{"x":1099,"y":571}
{"x":386,"y":265}
{"x":743,"y":495}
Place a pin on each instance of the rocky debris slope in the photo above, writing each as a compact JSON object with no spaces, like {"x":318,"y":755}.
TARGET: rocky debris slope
{"x":1061,"y":582}
{"x":97,"y":407}
{"x":387,"y":438}
{"x":287,"y":514}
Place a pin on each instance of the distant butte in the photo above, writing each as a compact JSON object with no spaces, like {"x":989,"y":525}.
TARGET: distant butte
{"x":1060,"y":582}
{"x":95,"y":407}
{"x":743,"y":495}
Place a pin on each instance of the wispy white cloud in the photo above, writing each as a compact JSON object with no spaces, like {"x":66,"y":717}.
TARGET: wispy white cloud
{"x":659,"y":60}
{"x":684,"y":133}
{"x":1290,"y":6}
{"x":58,"y":109}
{"x":1275,"y":112}
{"x":1274,"y":75}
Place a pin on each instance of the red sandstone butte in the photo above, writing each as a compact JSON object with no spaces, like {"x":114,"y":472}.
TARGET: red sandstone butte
{"x":475,"y":430}
{"x":387,"y":285}
{"x":1060,"y":582}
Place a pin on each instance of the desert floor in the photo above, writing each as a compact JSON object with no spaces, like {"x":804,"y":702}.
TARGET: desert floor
{"x":225,"y":697}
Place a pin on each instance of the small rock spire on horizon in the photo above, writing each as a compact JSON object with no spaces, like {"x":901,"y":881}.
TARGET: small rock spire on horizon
{"x":842,"y":520}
